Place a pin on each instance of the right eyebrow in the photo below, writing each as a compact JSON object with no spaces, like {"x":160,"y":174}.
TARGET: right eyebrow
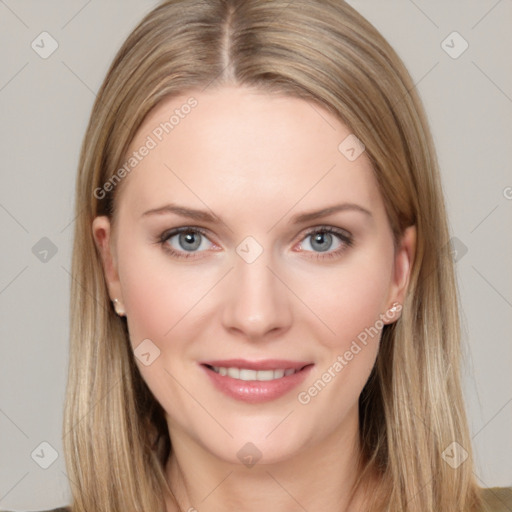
{"x":190,"y":213}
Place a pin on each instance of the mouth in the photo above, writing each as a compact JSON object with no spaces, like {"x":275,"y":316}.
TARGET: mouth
{"x":256,"y":381}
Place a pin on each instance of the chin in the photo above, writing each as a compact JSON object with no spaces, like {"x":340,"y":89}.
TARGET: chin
{"x":256,"y":452}
{"x":261,"y":441}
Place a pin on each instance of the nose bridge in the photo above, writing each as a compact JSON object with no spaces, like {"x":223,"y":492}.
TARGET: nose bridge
{"x":257,"y":302}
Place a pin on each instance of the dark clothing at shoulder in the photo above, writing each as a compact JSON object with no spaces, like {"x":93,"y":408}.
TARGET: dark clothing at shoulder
{"x":60,"y":509}
{"x":497,"y":499}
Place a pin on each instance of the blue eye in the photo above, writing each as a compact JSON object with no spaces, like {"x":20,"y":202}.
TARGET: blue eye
{"x":185,"y":240}
{"x":322,"y":241}
{"x":329,"y":240}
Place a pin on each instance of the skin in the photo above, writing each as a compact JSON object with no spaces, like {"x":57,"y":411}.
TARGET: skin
{"x":255,"y":160}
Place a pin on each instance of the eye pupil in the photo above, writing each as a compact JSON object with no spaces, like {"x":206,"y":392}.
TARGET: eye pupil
{"x":322,"y":241}
{"x":190,"y":241}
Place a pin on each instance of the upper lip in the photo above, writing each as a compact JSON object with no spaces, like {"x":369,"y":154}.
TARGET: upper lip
{"x":267,"y":364}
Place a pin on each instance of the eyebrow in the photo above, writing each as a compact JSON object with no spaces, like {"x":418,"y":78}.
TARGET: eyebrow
{"x":306,"y":217}
{"x":190,"y":213}
{"x":205,"y":216}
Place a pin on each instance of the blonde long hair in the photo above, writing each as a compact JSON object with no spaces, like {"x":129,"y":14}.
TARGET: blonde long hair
{"x":115,"y":437}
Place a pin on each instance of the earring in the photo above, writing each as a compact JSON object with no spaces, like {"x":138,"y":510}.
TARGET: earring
{"x":395,"y":308}
{"x":119,"y":307}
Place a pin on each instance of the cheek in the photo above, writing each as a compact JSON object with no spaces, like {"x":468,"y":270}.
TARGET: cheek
{"x":155,"y":298}
{"x":351,"y":304}
{"x":160,"y":305}
{"x":350,"y":299}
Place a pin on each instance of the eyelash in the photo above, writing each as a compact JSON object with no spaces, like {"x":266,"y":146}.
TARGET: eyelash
{"x":345,"y":238}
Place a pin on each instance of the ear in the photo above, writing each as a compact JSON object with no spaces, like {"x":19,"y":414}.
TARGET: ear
{"x":403,"y":262}
{"x":102,"y":233}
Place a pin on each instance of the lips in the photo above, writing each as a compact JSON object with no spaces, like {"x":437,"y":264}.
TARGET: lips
{"x":256,"y":381}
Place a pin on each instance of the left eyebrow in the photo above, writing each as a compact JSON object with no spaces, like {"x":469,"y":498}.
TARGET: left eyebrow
{"x":313,"y":215}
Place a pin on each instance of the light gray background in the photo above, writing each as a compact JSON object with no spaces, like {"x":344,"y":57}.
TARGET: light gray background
{"x":45,"y":105}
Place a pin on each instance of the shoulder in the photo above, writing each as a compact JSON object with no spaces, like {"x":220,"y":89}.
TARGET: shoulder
{"x":497,"y":499}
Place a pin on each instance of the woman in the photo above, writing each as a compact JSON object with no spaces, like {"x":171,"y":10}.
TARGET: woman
{"x":264,"y":312}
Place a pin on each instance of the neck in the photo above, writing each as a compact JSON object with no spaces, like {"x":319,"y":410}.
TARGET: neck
{"x":321,"y":477}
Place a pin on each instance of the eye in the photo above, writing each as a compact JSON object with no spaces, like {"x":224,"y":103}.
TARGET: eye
{"x":326,"y":239}
{"x":322,"y":241}
{"x":181,"y":241}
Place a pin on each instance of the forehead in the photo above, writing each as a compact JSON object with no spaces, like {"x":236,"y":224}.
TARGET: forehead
{"x":244,"y":147}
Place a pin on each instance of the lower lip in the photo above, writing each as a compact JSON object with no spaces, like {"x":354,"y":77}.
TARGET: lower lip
{"x":254,"y":391}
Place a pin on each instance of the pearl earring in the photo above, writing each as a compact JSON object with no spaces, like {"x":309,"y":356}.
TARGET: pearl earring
{"x":119,"y":307}
{"x":395,"y":308}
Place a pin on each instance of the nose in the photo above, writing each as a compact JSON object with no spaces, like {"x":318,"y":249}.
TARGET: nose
{"x":257,"y":303}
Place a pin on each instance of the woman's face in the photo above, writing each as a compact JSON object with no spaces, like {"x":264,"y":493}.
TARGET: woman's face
{"x":250,"y":235}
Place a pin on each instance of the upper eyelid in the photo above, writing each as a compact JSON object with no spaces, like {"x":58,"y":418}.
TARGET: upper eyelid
{"x":345,"y":236}
{"x":171,"y":233}
{"x":328,"y":228}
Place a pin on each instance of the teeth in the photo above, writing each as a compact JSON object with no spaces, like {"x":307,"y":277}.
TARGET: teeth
{"x":246,"y":374}
{"x":266,"y":375}
{"x":234,"y":373}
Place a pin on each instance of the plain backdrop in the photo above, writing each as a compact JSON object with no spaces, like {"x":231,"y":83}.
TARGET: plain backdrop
{"x":45,"y":105}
